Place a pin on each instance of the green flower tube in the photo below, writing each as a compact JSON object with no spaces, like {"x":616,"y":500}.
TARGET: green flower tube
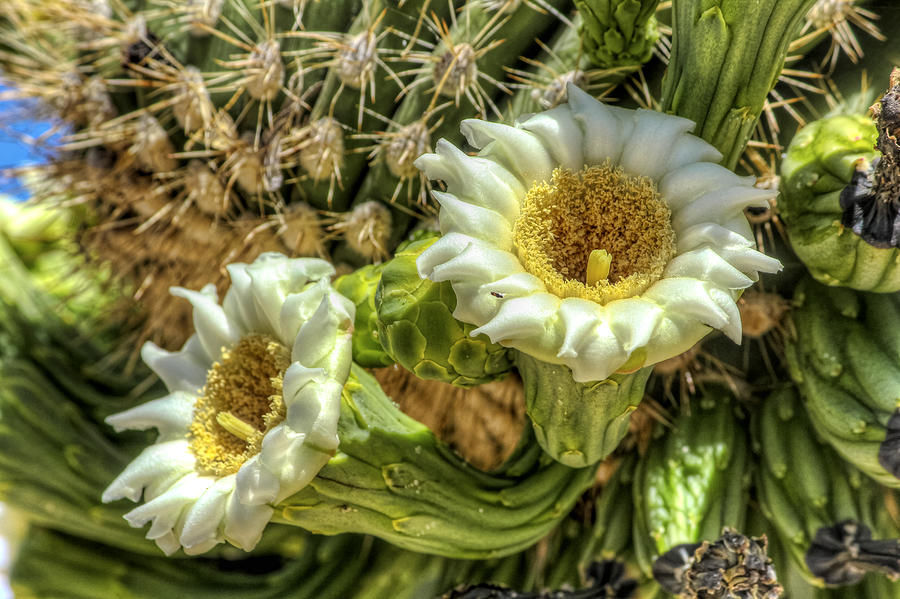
{"x":578,"y":424}
{"x":416,"y":326}
{"x":393,"y":479}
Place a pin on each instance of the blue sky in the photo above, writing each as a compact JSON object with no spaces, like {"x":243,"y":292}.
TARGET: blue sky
{"x":14,"y":126}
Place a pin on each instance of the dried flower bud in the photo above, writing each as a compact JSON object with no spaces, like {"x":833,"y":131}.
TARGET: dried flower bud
{"x":732,"y":567}
{"x":842,"y":553}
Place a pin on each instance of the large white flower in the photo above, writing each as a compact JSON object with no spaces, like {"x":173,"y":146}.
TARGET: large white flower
{"x":593,"y":236}
{"x":253,"y":407}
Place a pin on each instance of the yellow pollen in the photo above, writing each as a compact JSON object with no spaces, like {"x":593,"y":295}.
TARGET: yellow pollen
{"x":597,"y":234}
{"x":239,"y":404}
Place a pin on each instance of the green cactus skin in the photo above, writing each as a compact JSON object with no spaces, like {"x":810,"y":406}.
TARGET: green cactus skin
{"x":393,"y":479}
{"x":845,"y":360}
{"x":726,"y":57}
{"x":693,"y":482}
{"x":417,"y":328}
{"x":618,"y":33}
{"x":803,"y":485}
{"x":359,"y":287}
{"x":819,"y":164}
{"x":578,"y":424}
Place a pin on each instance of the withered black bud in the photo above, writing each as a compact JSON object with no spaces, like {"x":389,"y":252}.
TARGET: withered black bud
{"x":889,"y":450}
{"x":733,"y":567}
{"x":871,"y":203}
{"x":606,"y":580}
{"x":843,"y":553}
{"x":147,"y":47}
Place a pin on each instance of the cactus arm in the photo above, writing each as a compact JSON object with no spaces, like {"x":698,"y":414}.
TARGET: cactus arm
{"x":726,"y":56}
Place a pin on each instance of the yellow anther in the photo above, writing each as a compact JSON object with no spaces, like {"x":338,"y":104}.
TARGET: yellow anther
{"x":597,"y":267}
{"x":235,"y":426}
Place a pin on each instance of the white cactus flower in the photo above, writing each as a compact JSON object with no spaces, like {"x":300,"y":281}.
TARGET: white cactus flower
{"x":593,"y":236}
{"x":253,"y":407}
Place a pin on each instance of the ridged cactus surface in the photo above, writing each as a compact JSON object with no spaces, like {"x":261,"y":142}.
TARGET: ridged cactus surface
{"x":466,"y":299}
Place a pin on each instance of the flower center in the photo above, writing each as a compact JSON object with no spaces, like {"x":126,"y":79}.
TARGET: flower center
{"x":598,"y":234}
{"x":240,"y":403}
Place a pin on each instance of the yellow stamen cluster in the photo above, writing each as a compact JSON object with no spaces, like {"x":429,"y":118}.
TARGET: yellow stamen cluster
{"x":598,"y":234}
{"x":241,"y":402}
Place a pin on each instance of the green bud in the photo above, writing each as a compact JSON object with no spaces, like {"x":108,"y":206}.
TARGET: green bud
{"x":417,"y":328}
{"x":360,"y":287}
{"x":819,"y":164}
{"x":692,"y":483}
{"x":618,"y":33}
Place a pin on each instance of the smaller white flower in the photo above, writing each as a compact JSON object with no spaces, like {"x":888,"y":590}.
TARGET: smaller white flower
{"x":593,"y":236}
{"x":253,"y":407}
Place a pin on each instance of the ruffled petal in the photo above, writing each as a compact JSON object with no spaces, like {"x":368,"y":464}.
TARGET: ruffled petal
{"x":474,"y":221}
{"x":161,"y":464}
{"x":244,"y":524}
{"x":169,"y":415}
{"x":519,"y":151}
{"x":648,"y":149}
{"x":683,"y":185}
{"x":604,"y":130}
{"x":212,"y":326}
{"x":180,"y":371}
{"x":706,"y":265}
{"x":559,"y":132}
{"x":203,"y":519}
{"x":477,"y":180}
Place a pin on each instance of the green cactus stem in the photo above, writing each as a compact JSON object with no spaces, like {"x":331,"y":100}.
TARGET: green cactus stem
{"x":726,"y":56}
{"x":393,"y":479}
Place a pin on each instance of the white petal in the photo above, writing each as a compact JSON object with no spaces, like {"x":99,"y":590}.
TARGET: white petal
{"x":238,"y":304}
{"x":560,"y":134}
{"x":315,"y":412}
{"x":691,"y":298}
{"x":299,"y":307}
{"x":648,"y":149}
{"x":316,"y":342}
{"x":603,"y":129}
{"x":179,"y":371}
{"x":710,"y":234}
{"x":256,"y":484}
{"x":521,"y":317}
{"x":203,"y":519}
{"x":519,"y":151}
{"x":515,"y":285}
{"x":682,"y":186}
{"x":170,"y":414}
{"x":477,"y":180}
{"x":462,"y":217}
{"x":706,"y":265}
{"x":166,"y":509}
{"x":690,"y":149}
{"x":632,"y":321}
{"x":580,"y":318}
{"x":161,"y":464}
{"x":716,"y":204}
{"x":727,"y":303}
{"x":244,"y":524}
{"x":600,"y":356}
{"x":213,"y":329}
{"x":749,"y":261}
{"x":476,"y":262}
